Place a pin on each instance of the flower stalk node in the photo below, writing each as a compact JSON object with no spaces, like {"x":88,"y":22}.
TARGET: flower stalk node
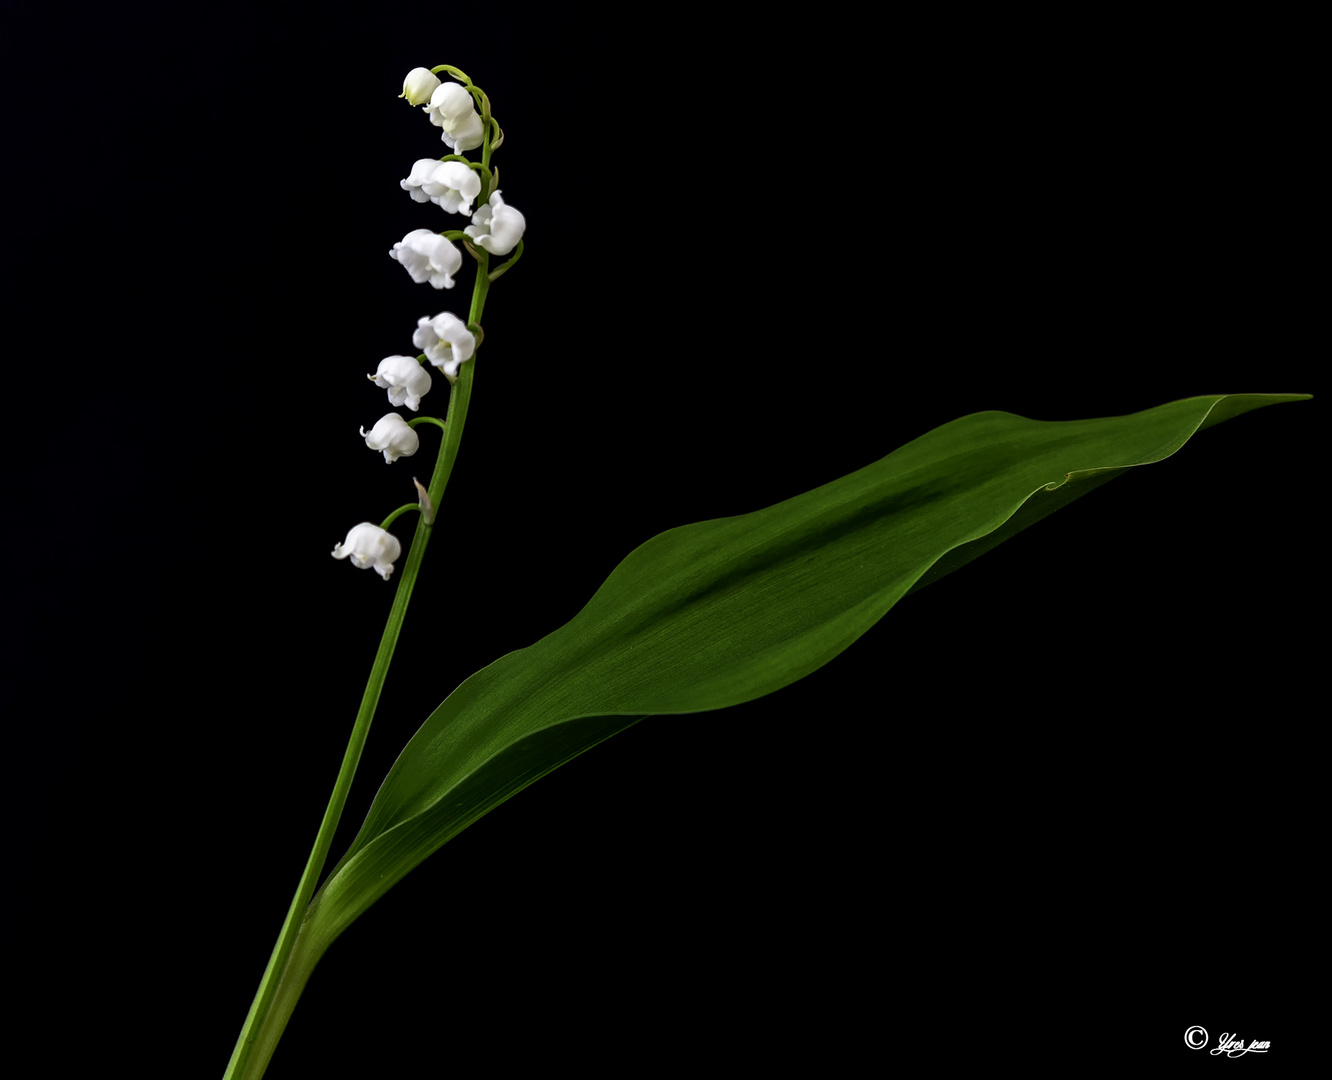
{"x":427,"y":507}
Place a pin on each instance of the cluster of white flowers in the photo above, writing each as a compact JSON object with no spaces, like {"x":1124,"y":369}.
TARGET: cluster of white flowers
{"x":451,"y":185}
{"x":429,"y":256}
{"x":495,"y":226}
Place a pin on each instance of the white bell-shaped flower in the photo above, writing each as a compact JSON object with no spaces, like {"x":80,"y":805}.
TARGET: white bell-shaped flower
{"x":451,"y":108}
{"x":421,"y":173}
{"x":368,"y":545}
{"x":445,"y":341}
{"x":449,"y":184}
{"x":428,"y":257}
{"x":453,"y":187}
{"x":419,"y":85}
{"x":496,"y":227}
{"x":406,"y":381}
{"x":394,"y":436}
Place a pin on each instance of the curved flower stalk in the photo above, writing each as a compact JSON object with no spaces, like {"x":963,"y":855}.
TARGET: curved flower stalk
{"x":428,"y":257}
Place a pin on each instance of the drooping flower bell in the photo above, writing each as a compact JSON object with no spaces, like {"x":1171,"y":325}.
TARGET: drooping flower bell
{"x":451,"y":108}
{"x":422,"y":171}
{"x":428,"y":257}
{"x":419,"y":85}
{"x":449,"y":184}
{"x":496,"y":227}
{"x":394,"y":436}
{"x":370,"y":546}
{"x":445,"y":341}
{"x":406,"y":381}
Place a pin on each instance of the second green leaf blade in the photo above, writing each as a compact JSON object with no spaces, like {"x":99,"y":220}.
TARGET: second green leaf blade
{"x":721,"y":612}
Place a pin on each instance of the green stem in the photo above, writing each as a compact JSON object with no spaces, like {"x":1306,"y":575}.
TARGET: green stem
{"x":278,"y":993}
{"x":406,"y":508}
{"x":282,"y":983}
{"x":425,"y":420}
{"x":462,"y":75}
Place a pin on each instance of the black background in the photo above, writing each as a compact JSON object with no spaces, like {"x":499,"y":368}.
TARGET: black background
{"x":1057,"y":804}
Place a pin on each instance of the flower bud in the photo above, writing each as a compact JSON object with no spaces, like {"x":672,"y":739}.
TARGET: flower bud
{"x":419,"y":85}
{"x":368,"y":545}
{"x":394,"y":436}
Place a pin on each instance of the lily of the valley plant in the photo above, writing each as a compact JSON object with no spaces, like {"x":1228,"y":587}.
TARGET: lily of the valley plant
{"x":456,"y":185}
{"x":701,"y":617}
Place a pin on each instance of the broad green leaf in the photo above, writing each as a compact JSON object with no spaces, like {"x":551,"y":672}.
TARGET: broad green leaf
{"x":724,"y":611}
